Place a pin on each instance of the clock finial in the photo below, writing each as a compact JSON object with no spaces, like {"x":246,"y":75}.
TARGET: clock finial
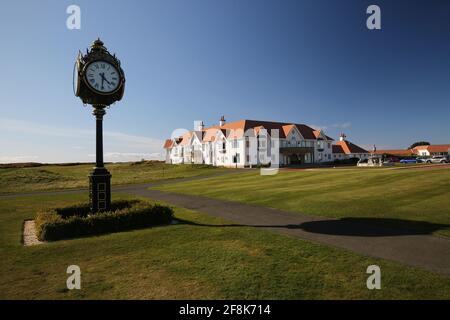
{"x":98,"y":45}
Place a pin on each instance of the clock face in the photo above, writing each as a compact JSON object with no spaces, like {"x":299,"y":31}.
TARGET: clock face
{"x":75,"y":78}
{"x":102,"y":76}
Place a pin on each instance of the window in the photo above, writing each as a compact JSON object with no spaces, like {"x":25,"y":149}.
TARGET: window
{"x":329,"y":145}
{"x":235,"y":144}
{"x":308,"y":157}
{"x":248,"y":157}
{"x":247,"y":144}
{"x":262,"y":143}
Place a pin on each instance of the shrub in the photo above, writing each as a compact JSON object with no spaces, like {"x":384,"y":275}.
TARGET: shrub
{"x":83,"y":209}
{"x":76,"y":221}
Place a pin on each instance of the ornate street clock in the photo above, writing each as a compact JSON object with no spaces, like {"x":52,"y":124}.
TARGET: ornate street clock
{"x":99,"y":80}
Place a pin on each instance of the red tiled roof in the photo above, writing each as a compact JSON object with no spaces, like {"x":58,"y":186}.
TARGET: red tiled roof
{"x":434,"y":148}
{"x":318,"y":132}
{"x":168,"y":144}
{"x":337,"y":148}
{"x":257,"y":129}
{"x":349,"y":147}
{"x":287,"y":128}
{"x":283,"y":128}
{"x":186,"y":138}
{"x":396,"y":152}
{"x":439,"y":148}
{"x":210,"y":134}
{"x":237,"y":129}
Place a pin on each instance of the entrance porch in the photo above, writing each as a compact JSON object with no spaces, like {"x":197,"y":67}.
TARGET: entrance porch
{"x":296,"y":156}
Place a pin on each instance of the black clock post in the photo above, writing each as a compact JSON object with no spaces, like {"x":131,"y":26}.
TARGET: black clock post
{"x":99,"y":178}
{"x":99,"y":80}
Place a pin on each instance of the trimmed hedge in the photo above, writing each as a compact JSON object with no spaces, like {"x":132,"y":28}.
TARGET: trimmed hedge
{"x":77,"y":221}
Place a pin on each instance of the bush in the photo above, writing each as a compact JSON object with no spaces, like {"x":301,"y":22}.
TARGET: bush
{"x":76,"y":221}
{"x":262,"y":165}
{"x":83,"y":209}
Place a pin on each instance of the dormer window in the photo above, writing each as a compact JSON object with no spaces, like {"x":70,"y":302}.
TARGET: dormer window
{"x":320,"y":144}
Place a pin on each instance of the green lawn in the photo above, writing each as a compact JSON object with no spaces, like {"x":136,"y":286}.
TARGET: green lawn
{"x":404,"y":194}
{"x":54,"y":177}
{"x":189,"y":261}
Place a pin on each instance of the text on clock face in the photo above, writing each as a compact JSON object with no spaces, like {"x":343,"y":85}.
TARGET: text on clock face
{"x":102,"y":76}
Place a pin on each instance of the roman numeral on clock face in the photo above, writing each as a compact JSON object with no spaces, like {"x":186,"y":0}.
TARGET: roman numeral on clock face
{"x":102,"y":77}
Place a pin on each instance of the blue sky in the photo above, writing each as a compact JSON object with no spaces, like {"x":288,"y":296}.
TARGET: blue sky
{"x":311,"y":62}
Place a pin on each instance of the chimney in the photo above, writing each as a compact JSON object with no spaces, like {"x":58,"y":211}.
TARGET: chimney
{"x":222,"y":121}
{"x":342,"y":137}
{"x":198,"y":125}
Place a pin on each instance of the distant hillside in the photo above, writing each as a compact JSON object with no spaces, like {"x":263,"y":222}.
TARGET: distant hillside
{"x":37,"y":164}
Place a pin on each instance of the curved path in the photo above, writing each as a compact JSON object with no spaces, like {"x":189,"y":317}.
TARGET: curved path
{"x":411,"y":243}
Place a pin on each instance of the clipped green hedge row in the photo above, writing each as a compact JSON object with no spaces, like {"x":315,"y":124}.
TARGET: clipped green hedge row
{"x":83,"y":209}
{"x":76,"y":221}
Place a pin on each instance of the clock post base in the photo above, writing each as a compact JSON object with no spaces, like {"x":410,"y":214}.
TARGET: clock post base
{"x":100,"y":190}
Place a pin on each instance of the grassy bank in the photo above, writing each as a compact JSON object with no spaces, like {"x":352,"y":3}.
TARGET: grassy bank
{"x":54,"y":177}
{"x":201,"y":259}
{"x":403,"y":194}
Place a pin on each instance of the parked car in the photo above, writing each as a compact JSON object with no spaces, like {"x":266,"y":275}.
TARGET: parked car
{"x":408,"y":161}
{"x":422,"y":159}
{"x":438,"y":159}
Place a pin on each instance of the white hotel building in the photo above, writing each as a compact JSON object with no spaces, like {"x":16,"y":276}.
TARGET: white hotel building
{"x":248,"y":143}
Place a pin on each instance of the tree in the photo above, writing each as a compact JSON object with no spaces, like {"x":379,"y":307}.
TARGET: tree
{"x":419,"y":143}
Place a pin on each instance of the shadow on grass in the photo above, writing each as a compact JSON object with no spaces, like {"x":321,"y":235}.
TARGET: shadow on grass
{"x":360,"y":227}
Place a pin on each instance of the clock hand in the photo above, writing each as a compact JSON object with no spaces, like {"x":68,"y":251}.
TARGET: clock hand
{"x":103,"y":78}
{"x":107,"y":81}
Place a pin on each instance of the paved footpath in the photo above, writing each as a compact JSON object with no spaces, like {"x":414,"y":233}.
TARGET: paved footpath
{"x":409,"y":247}
{"x":415,"y":248}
